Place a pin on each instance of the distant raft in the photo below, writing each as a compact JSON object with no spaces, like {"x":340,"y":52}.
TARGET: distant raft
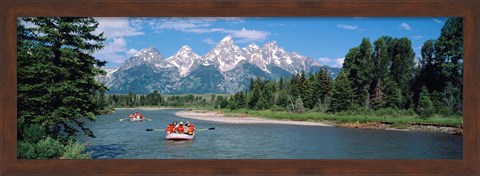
{"x":136,"y":120}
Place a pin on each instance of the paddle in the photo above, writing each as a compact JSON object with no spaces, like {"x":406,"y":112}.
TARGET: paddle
{"x":203,"y":129}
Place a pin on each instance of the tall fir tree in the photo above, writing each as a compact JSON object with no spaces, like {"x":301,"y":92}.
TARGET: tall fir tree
{"x":402,"y":68}
{"x":380,"y":72}
{"x":449,"y":52}
{"x":63,"y":49}
{"x":343,"y":94}
{"x":359,"y":66}
{"x":325,"y":83}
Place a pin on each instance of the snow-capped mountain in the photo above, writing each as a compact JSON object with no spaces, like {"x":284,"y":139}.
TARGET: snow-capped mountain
{"x":225,"y":55}
{"x":184,"y":60}
{"x":148,"y":56}
{"x":226,"y":68}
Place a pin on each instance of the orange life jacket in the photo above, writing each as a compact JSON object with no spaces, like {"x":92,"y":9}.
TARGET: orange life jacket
{"x":180,"y":129}
{"x":169,"y":129}
{"x":191,"y":127}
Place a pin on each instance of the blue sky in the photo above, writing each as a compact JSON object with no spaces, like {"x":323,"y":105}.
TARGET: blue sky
{"x":325,"y":39}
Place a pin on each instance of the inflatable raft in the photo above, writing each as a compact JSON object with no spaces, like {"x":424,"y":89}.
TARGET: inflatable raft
{"x":136,"y":119}
{"x":178,"y":136}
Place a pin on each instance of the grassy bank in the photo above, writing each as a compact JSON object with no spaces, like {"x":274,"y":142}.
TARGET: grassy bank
{"x":402,"y":119}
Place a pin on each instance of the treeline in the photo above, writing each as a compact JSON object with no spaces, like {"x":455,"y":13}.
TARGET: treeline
{"x":56,"y":88}
{"x":379,"y":76}
{"x":156,"y":99}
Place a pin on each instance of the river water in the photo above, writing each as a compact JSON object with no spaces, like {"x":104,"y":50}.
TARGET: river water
{"x":130,"y":140}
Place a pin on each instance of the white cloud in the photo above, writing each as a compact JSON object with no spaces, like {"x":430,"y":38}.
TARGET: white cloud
{"x":437,"y":20}
{"x":204,"y":25}
{"x":405,"y":26}
{"x":246,"y":35}
{"x":117,"y":27}
{"x":115,"y":51}
{"x":131,"y":52}
{"x":338,"y":62}
{"x":345,"y":26}
{"x":209,"y":41}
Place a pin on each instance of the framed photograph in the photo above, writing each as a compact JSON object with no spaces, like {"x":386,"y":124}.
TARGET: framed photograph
{"x":276,"y":39}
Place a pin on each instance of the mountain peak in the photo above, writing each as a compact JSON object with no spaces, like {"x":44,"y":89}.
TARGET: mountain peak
{"x":147,"y":50}
{"x":227,"y":38}
{"x":185,"y":47}
{"x":272,"y":44}
{"x":253,"y":45}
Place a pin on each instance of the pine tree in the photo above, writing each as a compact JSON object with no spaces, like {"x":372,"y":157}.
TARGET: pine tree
{"x":359,"y":66}
{"x":425,"y":106}
{"x":343,"y":95}
{"x":402,"y":67}
{"x":62,"y":53}
{"x":381,"y":65}
{"x":393,"y":97}
{"x":325,"y":83}
{"x":449,"y":53}
{"x":312,"y":87}
{"x":254,"y":95}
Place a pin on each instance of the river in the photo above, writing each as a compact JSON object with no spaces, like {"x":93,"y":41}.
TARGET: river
{"x":116,"y":139}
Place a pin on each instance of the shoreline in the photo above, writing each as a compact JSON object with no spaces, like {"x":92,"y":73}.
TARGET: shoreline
{"x":147,"y":108}
{"x":220,"y":117}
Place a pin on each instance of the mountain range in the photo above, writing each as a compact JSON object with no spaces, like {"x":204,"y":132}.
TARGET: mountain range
{"x":227,"y":68}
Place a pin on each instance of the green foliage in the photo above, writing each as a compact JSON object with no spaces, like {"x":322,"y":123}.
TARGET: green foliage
{"x":56,"y":86}
{"x":50,"y":148}
{"x":56,"y":72}
{"x":359,"y":67}
{"x":33,"y":133}
{"x":402,"y":67}
{"x":343,"y":95}
{"x":441,"y":68}
{"x":398,"y":117}
{"x":425,"y":105}
{"x":393,"y":97}
{"x":75,"y":150}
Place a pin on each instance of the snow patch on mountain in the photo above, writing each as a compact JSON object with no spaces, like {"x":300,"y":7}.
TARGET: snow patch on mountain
{"x":184,"y":59}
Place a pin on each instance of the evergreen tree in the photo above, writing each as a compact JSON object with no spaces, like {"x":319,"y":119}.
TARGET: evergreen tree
{"x":449,"y":53}
{"x":393,"y":97}
{"x":402,"y":67}
{"x":312,"y":86}
{"x":343,"y":95}
{"x":426,"y":74}
{"x":425,"y":106}
{"x":359,"y":66}
{"x":325,"y":83}
{"x":55,"y":84}
{"x":381,"y":65}
{"x":254,"y":95}
{"x":63,"y":47}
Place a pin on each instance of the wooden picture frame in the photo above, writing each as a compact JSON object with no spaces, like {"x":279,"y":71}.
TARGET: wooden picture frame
{"x":10,"y":10}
